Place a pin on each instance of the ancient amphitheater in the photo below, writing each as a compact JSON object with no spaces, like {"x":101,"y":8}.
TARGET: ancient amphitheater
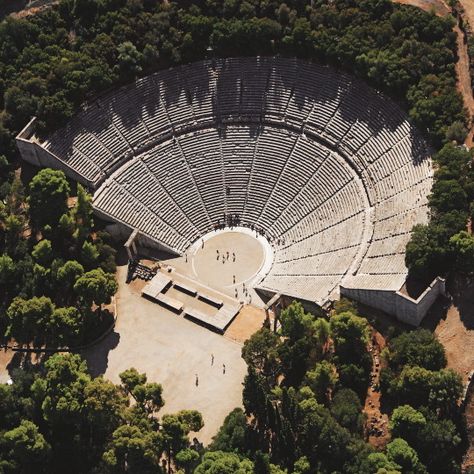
{"x":329,"y":171}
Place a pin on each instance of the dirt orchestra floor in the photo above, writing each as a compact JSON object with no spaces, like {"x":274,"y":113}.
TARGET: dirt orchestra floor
{"x":230,"y":261}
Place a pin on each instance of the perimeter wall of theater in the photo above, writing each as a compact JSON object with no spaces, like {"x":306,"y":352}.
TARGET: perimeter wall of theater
{"x":33,"y":153}
{"x":406,"y":309}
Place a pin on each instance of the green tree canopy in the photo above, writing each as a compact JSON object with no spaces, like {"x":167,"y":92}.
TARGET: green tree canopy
{"x":231,"y":435}
{"x":419,"y":347}
{"x":401,"y":453}
{"x":96,"y":286}
{"x":260,"y":352}
{"x":221,"y":462}
{"x":27,"y":445}
{"x":27,"y":318}
{"x":49,"y":191}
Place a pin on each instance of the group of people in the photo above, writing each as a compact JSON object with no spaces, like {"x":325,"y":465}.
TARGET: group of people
{"x":212,"y":364}
{"x":225,"y":256}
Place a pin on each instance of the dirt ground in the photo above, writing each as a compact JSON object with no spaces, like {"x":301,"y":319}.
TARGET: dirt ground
{"x":438,"y":6}
{"x":248,"y":321}
{"x":377,"y":422}
{"x":175,"y":352}
{"x":454,"y":326}
{"x":469,"y":10}
{"x":468,"y":6}
{"x":457,"y":339}
{"x":24,"y":9}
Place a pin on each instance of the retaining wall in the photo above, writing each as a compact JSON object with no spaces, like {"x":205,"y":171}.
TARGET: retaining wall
{"x":406,"y":309}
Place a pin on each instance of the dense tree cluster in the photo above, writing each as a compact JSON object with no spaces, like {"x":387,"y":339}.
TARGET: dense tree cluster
{"x":307,"y":416}
{"x":303,"y":414}
{"x":426,"y":396}
{"x":444,"y":245}
{"x":60,"y":419}
{"x":56,"y":272}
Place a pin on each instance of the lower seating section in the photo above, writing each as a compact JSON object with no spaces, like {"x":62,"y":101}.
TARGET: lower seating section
{"x":331,"y":171}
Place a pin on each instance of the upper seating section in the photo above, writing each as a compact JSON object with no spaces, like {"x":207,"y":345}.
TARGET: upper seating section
{"x":332,"y":106}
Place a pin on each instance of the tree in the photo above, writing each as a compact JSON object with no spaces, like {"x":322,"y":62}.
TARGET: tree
{"x":302,"y":466}
{"x":13,"y":228}
{"x":354,"y":376}
{"x":62,"y":390}
{"x":321,"y":439}
{"x":224,"y":463}
{"x":438,"y":444}
{"x":96,"y":287}
{"x":65,"y":326}
{"x":343,"y":305}
{"x":295,"y":323}
{"x":28,"y":318}
{"x":27,"y":446}
{"x":446,"y":388}
{"x":255,"y":396}
{"x":380,"y":464}
{"x":133,"y":449}
{"x":298,"y":329}
{"x":322,"y":380}
{"x":322,"y":333}
{"x":7,"y":270}
{"x":419,"y":347}
{"x":49,"y":192}
{"x":447,"y":195}
{"x":406,"y":423}
{"x":420,"y":387}
{"x":402,"y":454}
{"x":350,"y":334}
{"x":131,"y":378}
{"x":347,"y":410}
{"x":43,"y":253}
{"x":462,"y":245}
{"x":83,"y":213}
{"x":175,"y":429}
{"x":231,"y":435}
{"x":129,"y":59}
{"x":68,"y":274}
{"x":187,"y":459}
{"x":89,"y":255}
{"x":456,"y":132}
{"x":104,"y":405}
{"x":260,"y":352}
{"x":427,"y":252}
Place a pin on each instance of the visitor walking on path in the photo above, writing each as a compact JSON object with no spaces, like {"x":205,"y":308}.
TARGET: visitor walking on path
{"x":197,"y":380}
{"x":223,"y":368}
{"x":212,"y":359}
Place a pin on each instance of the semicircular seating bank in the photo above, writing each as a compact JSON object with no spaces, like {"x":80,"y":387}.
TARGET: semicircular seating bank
{"x":331,"y":171}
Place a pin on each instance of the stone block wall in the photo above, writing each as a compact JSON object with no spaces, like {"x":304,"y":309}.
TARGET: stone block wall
{"x":406,"y":309}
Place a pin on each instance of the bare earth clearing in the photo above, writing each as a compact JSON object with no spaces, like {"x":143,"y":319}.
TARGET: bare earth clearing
{"x":174,"y":352}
